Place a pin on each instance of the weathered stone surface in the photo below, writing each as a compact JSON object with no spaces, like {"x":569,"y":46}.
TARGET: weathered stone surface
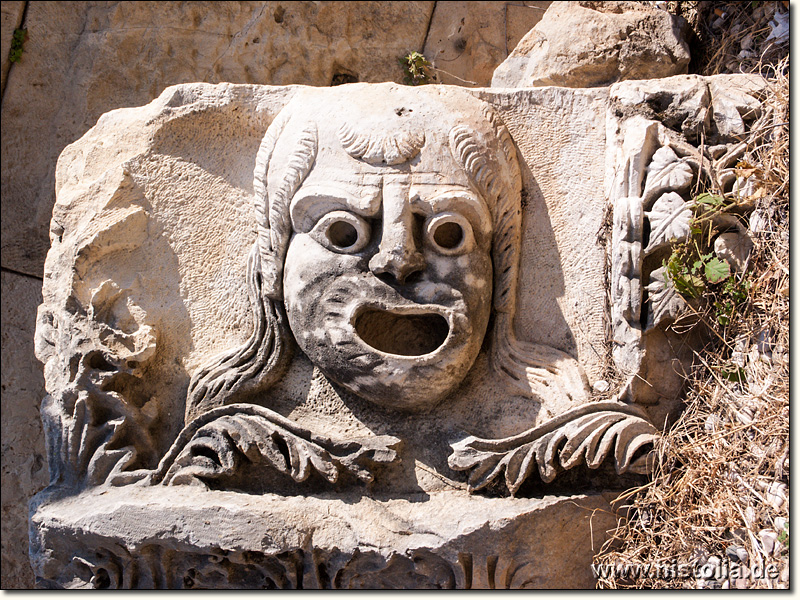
{"x":586,"y":44}
{"x":24,"y":464}
{"x":83,"y":59}
{"x":203,"y":311}
{"x":10,"y":18}
{"x":142,"y":538}
{"x":559,"y":133}
{"x":468,"y":40}
{"x":540,"y":318}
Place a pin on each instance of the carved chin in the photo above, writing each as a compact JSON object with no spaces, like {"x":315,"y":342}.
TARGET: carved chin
{"x":391,"y":351}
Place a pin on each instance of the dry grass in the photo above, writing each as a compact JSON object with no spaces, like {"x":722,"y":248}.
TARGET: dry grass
{"x":720,"y":489}
{"x":736,"y":35}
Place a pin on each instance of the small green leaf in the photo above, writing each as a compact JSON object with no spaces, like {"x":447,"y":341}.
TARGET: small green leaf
{"x":717,"y":270}
{"x":783,"y":538}
{"x":416,"y":68}
{"x":711,"y":200}
{"x":690,"y":286}
{"x":17,"y":42}
{"x":736,"y":374}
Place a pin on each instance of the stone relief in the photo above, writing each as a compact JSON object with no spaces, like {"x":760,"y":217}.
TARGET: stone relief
{"x":665,"y":136}
{"x":158,"y":567}
{"x":340,"y":323}
{"x":394,"y":229}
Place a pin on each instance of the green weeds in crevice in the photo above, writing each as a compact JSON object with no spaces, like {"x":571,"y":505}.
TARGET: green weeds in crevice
{"x":417,"y":69}
{"x":17,"y":43}
{"x":697,"y":273}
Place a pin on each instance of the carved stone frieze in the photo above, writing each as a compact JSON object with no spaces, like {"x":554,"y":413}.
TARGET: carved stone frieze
{"x":142,"y":538}
{"x":301,"y":337}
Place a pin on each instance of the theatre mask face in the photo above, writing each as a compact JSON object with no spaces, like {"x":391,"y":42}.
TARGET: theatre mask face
{"x":388,"y":275}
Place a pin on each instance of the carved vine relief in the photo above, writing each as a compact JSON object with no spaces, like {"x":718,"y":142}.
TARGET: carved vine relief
{"x":387,"y":251}
{"x":666,"y":141}
{"x":155,"y":566}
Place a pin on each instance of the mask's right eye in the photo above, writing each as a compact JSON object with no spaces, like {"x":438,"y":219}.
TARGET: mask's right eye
{"x":342,"y":231}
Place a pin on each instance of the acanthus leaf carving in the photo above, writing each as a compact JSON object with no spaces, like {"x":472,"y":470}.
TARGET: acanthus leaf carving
{"x":588,"y":434}
{"x":113,"y":566}
{"x":696,"y":126}
{"x":666,"y":173}
{"x":96,"y":432}
{"x":214,"y":445}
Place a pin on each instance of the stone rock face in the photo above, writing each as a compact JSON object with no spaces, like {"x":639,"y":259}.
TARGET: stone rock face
{"x":143,"y":538}
{"x":587,"y":44}
{"x":83,"y":59}
{"x":468,"y":40}
{"x":24,"y":464}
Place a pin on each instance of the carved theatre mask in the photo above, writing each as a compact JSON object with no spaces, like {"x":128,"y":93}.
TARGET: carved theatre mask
{"x":388,"y":275}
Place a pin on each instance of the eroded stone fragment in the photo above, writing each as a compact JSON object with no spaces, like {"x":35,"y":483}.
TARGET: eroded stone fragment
{"x":585,"y":44}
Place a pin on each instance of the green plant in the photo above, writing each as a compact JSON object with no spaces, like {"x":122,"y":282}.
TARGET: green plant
{"x":17,"y":42}
{"x":697,"y":273}
{"x":417,"y":69}
{"x":783,"y":537}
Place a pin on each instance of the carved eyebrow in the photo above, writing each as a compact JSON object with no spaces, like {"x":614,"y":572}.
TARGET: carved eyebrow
{"x":463,"y":200}
{"x":312,"y":202}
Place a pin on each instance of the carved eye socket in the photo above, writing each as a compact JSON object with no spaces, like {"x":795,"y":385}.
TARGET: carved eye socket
{"x":342,"y":231}
{"x":449,"y":233}
{"x":342,"y":234}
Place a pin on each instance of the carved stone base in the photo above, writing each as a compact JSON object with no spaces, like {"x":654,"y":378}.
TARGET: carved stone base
{"x":187,"y":538}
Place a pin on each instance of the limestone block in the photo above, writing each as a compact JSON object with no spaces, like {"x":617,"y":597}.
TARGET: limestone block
{"x":24,"y":464}
{"x":468,"y":40}
{"x":562,"y":305}
{"x":328,"y":300}
{"x":371,"y":294}
{"x":142,"y":538}
{"x":11,"y":18}
{"x":586,"y":44}
{"x":83,"y":59}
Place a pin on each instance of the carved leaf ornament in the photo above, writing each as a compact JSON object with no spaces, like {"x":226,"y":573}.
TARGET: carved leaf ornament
{"x":215,"y":445}
{"x":667,"y":303}
{"x":588,"y":434}
{"x":670,"y":220}
{"x":667,"y":172}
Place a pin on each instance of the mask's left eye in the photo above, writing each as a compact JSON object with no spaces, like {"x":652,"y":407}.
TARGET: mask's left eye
{"x":341,"y":231}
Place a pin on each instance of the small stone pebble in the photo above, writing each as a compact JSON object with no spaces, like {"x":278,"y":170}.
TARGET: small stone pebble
{"x":768,"y":539}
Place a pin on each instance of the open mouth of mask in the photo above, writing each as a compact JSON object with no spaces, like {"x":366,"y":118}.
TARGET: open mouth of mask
{"x":402,"y":334}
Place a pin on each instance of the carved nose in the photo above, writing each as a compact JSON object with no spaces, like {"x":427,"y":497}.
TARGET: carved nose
{"x":397,"y":263}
